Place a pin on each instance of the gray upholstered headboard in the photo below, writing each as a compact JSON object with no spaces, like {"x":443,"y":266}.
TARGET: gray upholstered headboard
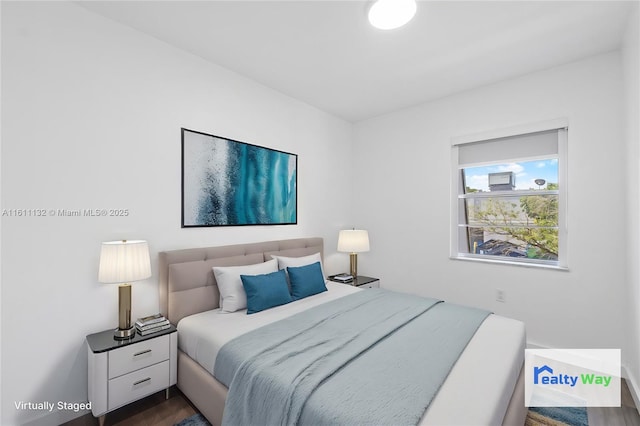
{"x":187,"y":283}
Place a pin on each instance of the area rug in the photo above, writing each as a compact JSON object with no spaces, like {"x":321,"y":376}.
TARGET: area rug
{"x":195,"y":420}
{"x":557,"y":416}
{"x":536,"y":416}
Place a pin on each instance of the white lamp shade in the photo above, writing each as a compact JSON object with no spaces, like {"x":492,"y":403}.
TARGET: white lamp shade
{"x":124,"y":261}
{"x":353,"y":241}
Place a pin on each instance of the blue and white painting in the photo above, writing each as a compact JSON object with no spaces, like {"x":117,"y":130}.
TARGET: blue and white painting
{"x":225,"y":182}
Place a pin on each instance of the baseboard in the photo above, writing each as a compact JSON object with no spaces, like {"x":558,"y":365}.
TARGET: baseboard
{"x":632,"y":384}
{"x":531,"y":345}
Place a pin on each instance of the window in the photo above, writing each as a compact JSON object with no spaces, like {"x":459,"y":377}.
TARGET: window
{"x":509,"y":198}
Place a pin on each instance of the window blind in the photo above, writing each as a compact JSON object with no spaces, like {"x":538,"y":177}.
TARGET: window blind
{"x":529,"y":146}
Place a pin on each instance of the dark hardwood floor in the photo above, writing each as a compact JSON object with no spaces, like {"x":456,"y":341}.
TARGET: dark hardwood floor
{"x":155,"y":410}
{"x":625,"y":415}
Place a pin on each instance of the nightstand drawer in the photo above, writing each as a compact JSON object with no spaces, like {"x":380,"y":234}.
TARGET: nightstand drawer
{"x":139,"y":355}
{"x":374,"y":284}
{"x":138,"y":384}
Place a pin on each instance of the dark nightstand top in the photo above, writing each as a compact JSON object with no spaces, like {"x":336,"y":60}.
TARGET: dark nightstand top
{"x":360,"y":280}
{"x":104,"y":341}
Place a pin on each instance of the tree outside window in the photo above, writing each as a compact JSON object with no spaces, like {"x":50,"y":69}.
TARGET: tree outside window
{"x":511,"y":209}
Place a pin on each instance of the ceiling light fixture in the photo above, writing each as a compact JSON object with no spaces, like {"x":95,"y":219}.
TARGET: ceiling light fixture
{"x":390,"y":14}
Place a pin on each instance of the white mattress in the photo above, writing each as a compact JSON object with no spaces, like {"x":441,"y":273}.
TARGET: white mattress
{"x":476,"y":392}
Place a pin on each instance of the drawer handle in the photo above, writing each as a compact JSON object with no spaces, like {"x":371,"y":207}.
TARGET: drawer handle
{"x":139,"y":382}
{"x":143,"y":352}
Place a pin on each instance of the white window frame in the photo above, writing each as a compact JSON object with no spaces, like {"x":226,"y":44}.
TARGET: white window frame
{"x":457,"y":239}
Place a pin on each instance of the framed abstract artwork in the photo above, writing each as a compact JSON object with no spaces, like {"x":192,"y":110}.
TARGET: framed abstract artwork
{"x":231,"y":183}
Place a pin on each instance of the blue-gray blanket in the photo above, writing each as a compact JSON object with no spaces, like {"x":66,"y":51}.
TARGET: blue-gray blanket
{"x":374,"y":357}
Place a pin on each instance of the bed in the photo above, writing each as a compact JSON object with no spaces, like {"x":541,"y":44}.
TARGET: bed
{"x":485,"y":385}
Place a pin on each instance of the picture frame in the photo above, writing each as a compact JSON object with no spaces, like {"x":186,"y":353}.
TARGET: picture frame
{"x":226,"y":182}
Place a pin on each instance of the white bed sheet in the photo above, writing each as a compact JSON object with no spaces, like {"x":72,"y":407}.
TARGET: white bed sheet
{"x":202,"y":335}
{"x":476,"y":392}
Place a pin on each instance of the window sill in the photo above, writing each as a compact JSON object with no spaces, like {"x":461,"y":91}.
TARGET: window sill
{"x":511,"y":263}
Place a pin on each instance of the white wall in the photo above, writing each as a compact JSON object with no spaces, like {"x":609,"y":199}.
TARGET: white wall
{"x":402,"y":180}
{"x":91,"y":114}
{"x":631,"y":71}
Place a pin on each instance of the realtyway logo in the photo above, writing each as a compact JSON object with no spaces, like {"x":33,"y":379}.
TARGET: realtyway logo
{"x":572,"y":377}
{"x":566,"y":379}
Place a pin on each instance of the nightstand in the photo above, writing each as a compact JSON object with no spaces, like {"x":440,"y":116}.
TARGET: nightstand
{"x":363,"y":282}
{"x":124,"y":371}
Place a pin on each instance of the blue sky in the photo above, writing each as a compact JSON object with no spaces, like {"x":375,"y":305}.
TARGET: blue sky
{"x":526,"y":173}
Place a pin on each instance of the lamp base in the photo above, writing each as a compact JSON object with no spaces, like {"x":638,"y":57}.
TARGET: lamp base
{"x":353,"y":263}
{"x":125,"y":329}
{"x":124,"y":333}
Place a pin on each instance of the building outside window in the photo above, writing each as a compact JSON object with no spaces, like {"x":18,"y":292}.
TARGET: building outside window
{"x":509,"y":201}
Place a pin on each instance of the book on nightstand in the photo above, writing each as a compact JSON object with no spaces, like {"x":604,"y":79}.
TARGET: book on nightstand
{"x":151,"y":319}
{"x":154,"y":329}
{"x":343,"y":278}
{"x":152,"y":324}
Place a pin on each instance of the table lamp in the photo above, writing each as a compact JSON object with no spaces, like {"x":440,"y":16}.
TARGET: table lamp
{"x":122,"y":262}
{"x":353,"y":241}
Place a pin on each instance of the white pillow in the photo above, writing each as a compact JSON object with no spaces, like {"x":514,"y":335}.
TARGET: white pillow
{"x":230,"y":284}
{"x":285,"y":262}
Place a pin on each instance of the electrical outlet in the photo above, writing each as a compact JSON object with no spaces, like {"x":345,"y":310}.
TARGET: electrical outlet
{"x":500,"y":296}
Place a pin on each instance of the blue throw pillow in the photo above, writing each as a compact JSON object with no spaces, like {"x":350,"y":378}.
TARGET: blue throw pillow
{"x":265,"y":291}
{"x":306,"y":280}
